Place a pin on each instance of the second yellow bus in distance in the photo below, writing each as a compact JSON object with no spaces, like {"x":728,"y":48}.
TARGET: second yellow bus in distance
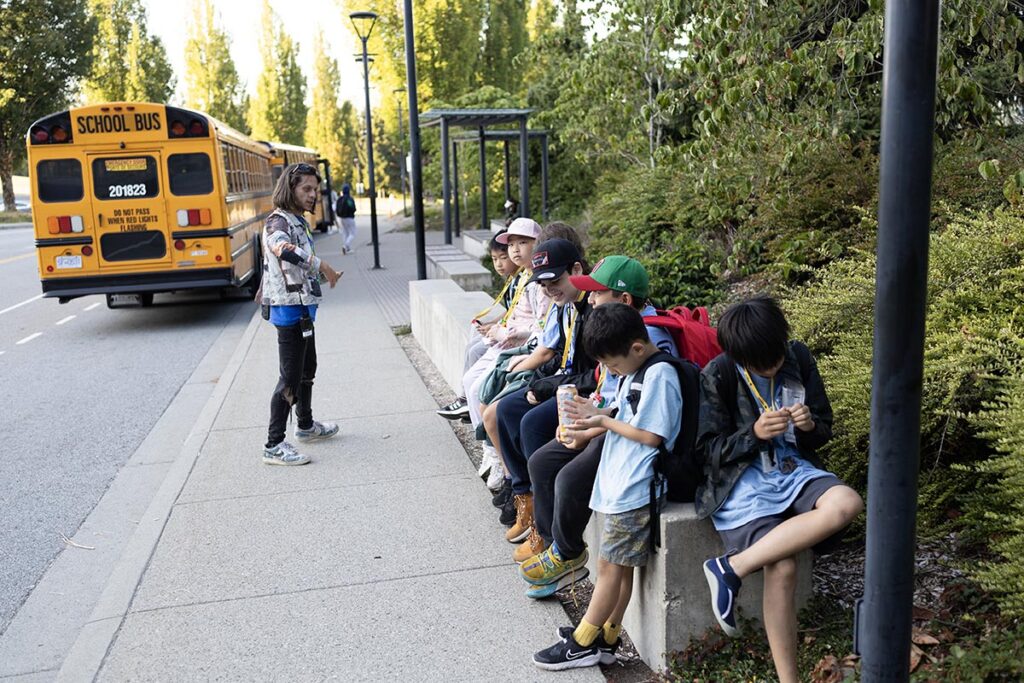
{"x":133,"y":198}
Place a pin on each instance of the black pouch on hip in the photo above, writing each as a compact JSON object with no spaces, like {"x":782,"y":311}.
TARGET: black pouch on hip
{"x":306,"y":324}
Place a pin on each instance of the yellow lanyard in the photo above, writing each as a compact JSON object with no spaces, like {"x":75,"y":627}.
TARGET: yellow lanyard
{"x":524,"y":279}
{"x":508,"y":283}
{"x":757,"y":395}
{"x":573,"y":315}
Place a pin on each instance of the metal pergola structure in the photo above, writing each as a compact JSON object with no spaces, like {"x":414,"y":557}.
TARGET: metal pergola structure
{"x":505,"y":137}
{"x":480,"y":119}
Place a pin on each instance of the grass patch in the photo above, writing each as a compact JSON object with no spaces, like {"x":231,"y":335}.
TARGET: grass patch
{"x":15,"y":217}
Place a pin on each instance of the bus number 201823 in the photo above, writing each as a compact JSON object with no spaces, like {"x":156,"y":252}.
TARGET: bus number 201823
{"x":137,"y":190}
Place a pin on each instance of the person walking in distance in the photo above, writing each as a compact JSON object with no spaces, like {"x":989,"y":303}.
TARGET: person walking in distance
{"x":290,"y":294}
{"x":346,"y":210}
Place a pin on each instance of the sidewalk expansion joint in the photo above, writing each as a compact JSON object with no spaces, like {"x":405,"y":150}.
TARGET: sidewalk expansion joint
{"x":339,"y":487}
{"x":314,"y":589}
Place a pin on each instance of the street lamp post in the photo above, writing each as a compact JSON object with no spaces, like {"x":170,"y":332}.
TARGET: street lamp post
{"x":401,"y":149}
{"x":364,"y":23}
{"x":415,"y":167}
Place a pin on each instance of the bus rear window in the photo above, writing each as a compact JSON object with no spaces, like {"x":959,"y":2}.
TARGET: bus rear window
{"x":189,"y":174}
{"x":59,"y":180}
{"x":125,"y":178}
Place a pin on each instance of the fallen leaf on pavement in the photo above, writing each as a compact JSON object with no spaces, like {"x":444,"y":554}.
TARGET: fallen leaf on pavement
{"x":916,"y":654}
{"x":919,"y":637}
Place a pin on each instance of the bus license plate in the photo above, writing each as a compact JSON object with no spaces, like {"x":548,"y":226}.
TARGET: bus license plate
{"x":69,"y":261}
{"x":200,"y":252}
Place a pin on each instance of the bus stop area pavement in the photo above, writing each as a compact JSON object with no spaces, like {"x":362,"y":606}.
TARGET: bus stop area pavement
{"x":381,"y":560}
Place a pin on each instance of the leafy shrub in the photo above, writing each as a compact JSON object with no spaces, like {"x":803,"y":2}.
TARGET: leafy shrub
{"x":975,"y":294}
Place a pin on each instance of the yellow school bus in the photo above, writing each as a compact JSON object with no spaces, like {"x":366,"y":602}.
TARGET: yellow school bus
{"x":134,"y":198}
{"x":282,"y":154}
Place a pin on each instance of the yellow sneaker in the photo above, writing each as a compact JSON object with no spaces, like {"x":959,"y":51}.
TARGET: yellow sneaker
{"x":548,"y":567}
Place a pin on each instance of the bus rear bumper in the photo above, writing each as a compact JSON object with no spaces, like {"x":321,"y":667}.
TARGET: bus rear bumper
{"x":70,"y":288}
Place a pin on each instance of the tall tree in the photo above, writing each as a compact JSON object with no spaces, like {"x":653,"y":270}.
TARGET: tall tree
{"x":212,"y":84}
{"x":44,"y":49}
{"x":128,"y":63}
{"x":324,"y":121}
{"x":278,"y":111}
{"x":505,"y":38}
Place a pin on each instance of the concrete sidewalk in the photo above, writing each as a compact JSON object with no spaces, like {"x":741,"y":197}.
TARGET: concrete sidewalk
{"x":381,"y":560}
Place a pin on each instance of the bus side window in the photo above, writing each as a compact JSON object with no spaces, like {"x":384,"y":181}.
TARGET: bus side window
{"x":60,"y":180}
{"x":190,"y":174}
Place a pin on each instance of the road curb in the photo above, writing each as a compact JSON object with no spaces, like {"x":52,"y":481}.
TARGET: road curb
{"x":87,"y":654}
{"x":14,"y":226}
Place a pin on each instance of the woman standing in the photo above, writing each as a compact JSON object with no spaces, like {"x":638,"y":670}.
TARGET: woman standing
{"x":291,"y":290}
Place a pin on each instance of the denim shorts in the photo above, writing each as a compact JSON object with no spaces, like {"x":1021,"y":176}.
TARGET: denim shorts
{"x":626,"y":537}
{"x":739,"y":539}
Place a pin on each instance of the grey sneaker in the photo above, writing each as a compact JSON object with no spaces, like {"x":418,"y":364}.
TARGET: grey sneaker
{"x":284,"y":454}
{"x":319,"y":430}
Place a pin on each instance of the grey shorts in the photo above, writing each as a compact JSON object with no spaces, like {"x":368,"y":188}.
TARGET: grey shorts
{"x":626,"y":537}
{"x":739,"y":539}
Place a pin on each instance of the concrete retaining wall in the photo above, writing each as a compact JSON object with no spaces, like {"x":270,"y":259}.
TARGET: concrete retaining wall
{"x":448,"y":261}
{"x":441,"y":312}
{"x":671,"y":602}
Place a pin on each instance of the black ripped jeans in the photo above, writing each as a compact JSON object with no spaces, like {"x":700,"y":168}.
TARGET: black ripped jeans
{"x":295,"y":385}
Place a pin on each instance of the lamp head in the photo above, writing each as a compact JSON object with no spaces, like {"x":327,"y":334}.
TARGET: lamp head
{"x":363,"y":23}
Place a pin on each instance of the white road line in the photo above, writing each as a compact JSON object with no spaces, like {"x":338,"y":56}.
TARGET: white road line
{"x":92,"y":306}
{"x":67,"y":319}
{"x":26,"y":301}
{"x":29,"y":338}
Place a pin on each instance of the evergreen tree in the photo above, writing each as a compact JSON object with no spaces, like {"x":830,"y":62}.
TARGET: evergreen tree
{"x":127,"y":62}
{"x":212,"y":84}
{"x":278,"y":111}
{"x":45,"y":47}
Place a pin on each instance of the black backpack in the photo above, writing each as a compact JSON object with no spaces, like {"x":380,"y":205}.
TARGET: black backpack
{"x":679,"y":467}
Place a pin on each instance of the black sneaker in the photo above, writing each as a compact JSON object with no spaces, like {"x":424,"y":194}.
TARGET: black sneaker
{"x":456,"y":410}
{"x":607,"y":651}
{"x":568,"y":654}
{"x":508,"y":511}
{"x":503,"y":494}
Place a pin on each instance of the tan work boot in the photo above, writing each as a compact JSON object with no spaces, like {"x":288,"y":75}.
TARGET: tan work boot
{"x":524,"y":519}
{"x":533,"y":545}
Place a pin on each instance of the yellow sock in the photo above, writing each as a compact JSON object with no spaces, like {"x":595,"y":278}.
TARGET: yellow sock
{"x":611,"y":632}
{"x":585,"y":634}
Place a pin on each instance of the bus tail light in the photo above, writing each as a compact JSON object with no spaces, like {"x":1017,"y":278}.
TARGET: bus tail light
{"x":55,"y":129}
{"x":179,"y":245}
{"x":55,"y":225}
{"x":87,"y":250}
{"x":192,"y":217}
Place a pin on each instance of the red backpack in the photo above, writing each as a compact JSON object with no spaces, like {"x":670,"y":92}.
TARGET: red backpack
{"x":691,"y":330}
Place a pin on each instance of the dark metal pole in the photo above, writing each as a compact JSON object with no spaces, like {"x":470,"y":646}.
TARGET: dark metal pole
{"x":483,"y":182}
{"x":544,"y":177}
{"x":455,"y":188}
{"x":416,"y":168}
{"x":524,"y":169}
{"x":446,"y":187}
{"x":401,"y":158}
{"x":329,"y":212}
{"x":508,"y":172}
{"x":369,"y":159}
{"x":908,"y":122}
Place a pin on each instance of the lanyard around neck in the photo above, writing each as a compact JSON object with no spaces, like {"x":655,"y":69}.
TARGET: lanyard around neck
{"x":765,"y":406}
{"x":569,"y":329}
{"x":508,"y":283}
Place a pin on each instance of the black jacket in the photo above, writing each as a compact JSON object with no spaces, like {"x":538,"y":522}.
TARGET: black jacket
{"x":546,"y":382}
{"x":725,"y":436}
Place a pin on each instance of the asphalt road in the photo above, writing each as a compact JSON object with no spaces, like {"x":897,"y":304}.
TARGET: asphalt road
{"x":82,"y":387}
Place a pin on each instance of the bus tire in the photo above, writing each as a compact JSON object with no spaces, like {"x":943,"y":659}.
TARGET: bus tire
{"x":145,"y":299}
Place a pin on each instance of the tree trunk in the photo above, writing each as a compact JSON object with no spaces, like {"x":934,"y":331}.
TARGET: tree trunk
{"x":6,"y":171}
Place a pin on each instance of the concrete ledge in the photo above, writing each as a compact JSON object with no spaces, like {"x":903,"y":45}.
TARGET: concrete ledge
{"x":476,"y":242}
{"x":451,"y":316}
{"x":497,"y":225}
{"x":469,"y":275}
{"x":421,"y":309}
{"x":671,"y":603}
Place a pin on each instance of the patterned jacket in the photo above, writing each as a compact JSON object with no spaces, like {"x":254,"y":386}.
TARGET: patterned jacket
{"x":292,"y":279}
{"x":725,"y":435}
